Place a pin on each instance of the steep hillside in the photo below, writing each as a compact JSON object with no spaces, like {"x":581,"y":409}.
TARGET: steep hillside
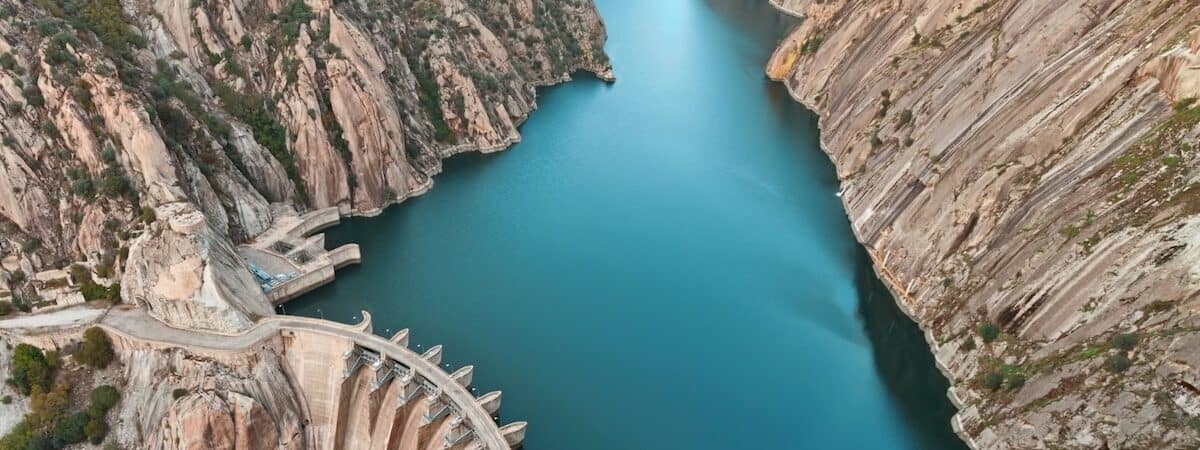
{"x":1023,"y":173}
{"x":141,"y":138}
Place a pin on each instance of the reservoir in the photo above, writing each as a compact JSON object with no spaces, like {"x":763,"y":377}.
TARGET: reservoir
{"x":662,"y":263}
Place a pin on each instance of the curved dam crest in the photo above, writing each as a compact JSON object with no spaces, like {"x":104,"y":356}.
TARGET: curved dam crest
{"x":661,"y":263}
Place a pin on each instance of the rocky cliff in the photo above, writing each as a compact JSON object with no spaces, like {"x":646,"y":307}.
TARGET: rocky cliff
{"x":140,"y":140}
{"x":1023,"y":174}
{"x":122,"y":119}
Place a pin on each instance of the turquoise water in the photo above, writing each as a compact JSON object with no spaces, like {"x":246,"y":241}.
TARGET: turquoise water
{"x":661,"y":264}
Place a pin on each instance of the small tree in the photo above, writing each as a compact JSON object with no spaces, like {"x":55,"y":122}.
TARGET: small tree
{"x":97,"y":349}
{"x":988,"y":331}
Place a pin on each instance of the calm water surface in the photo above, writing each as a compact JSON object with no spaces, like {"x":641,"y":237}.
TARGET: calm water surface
{"x":662,"y":264}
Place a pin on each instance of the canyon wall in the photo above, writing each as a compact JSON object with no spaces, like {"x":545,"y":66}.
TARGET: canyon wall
{"x":1023,"y":174}
{"x":141,"y":140}
{"x":122,"y":119}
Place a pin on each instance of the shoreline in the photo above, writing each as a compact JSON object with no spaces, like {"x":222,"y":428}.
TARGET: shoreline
{"x":900,"y":297}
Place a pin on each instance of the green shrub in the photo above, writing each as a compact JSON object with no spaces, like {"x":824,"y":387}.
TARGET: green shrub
{"x":83,"y":187}
{"x":80,"y":274}
{"x":96,"y":430}
{"x":993,"y":380}
{"x":29,"y":369}
{"x":1015,"y":381}
{"x":105,"y":397}
{"x":1118,"y":363}
{"x":31,"y":245}
{"x":1125,"y":341}
{"x":95,"y":291}
{"x":9,"y":62}
{"x":105,"y":18}
{"x":988,"y":331}
{"x":179,"y":392}
{"x":33,"y":96}
{"x":71,"y":429}
{"x":969,"y":344}
{"x":97,"y":349}
{"x":6,"y":308}
{"x":1184,"y":104}
{"x":20,"y":437}
{"x":293,"y":15}
{"x":148,"y":215}
{"x":16,"y":277}
{"x":7,"y":400}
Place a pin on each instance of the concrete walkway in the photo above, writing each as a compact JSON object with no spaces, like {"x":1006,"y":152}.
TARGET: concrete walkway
{"x":70,"y":317}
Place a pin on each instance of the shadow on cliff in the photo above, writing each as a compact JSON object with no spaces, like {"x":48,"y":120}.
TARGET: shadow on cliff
{"x":904,"y":362}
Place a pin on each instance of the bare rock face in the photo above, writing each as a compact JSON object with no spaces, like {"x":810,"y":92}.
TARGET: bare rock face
{"x":1028,"y":165}
{"x":176,"y":399}
{"x":114,"y":108}
{"x":217,"y":421}
{"x":186,"y":275}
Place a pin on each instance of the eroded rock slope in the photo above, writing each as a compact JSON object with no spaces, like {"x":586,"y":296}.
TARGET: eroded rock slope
{"x":122,"y":119}
{"x":141,"y":140}
{"x":1029,"y":166}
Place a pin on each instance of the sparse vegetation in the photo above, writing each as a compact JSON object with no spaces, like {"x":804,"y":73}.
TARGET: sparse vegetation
{"x":1125,"y":341}
{"x":96,"y":291}
{"x":988,"y":331}
{"x":29,"y":369}
{"x":1118,"y":363}
{"x":291,"y":17}
{"x":993,"y":380}
{"x":812,"y":44}
{"x":1015,"y":381}
{"x":97,"y":350}
{"x":430,"y":94}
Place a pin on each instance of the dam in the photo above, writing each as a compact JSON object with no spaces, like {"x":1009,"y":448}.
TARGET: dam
{"x":661,"y":263}
{"x":360,"y":391}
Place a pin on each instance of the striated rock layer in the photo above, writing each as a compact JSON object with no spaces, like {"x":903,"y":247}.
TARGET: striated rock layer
{"x":1030,"y":165}
{"x":118,"y":115}
{"x":140,"y":140}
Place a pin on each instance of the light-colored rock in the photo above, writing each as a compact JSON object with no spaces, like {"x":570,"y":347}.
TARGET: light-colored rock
{"x":1021,"y":162}
{"x":188,"y":276}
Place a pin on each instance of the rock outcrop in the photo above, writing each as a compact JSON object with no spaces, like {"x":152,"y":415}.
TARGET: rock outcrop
{"x":1028,"y":166}
{"x":177,"y":399}
{"x":185,"y":275}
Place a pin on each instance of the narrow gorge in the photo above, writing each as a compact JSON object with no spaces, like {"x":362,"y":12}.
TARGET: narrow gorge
{"x":900,"y":224}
